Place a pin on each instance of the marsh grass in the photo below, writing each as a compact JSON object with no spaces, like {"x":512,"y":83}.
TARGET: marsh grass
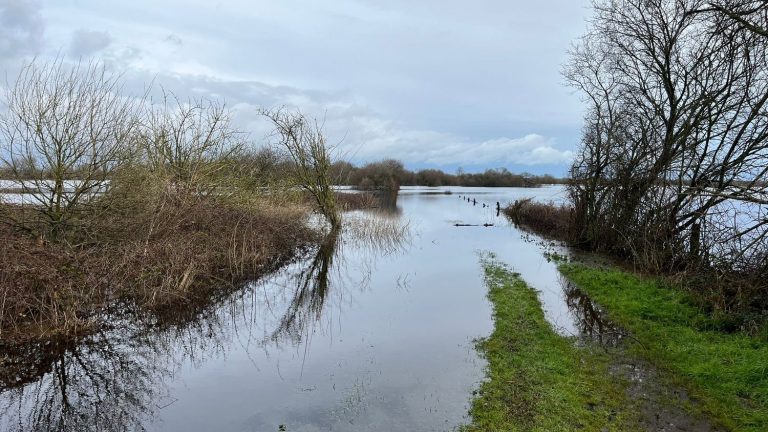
{"x":377,"y":233}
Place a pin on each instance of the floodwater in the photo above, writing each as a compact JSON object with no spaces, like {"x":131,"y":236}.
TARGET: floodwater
{"x":374,"y":331}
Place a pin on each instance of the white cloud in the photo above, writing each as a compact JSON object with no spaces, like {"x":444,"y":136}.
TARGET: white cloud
{"x":373,"y":138}
{"x":357,"y":130}
{"x":361,"y":134}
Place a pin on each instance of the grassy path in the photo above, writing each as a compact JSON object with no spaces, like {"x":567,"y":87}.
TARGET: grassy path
{"x":538,"y":380}
{"x":728,"y":373}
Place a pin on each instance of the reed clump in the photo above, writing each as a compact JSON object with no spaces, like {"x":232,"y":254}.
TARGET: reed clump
{"x":546,"y":219}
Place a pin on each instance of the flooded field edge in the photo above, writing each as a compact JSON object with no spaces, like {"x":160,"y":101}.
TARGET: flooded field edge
{"x":373,"y":329}
{"x":537,"y":378}
{"x":601,"y":357}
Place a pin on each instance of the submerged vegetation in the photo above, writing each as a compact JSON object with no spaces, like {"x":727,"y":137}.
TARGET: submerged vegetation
{"x":546,"y":219}
{"x":538,"y":380}
{"x":723,"y":369}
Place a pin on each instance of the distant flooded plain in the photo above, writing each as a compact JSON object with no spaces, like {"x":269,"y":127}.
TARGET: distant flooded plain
{"x":373,"y":331}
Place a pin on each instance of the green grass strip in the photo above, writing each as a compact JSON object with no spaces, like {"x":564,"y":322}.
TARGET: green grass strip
{"x":536,"y":379}
{"x":727,"y":372}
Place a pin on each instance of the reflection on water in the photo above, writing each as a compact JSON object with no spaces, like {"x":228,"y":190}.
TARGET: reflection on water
{"x":590,"y":320}
{"x":371,"y":331}
{"x":310,"y":293}
{"x":388,"y":203}
{"x":116,"y":378}
{"x":102,"y":383}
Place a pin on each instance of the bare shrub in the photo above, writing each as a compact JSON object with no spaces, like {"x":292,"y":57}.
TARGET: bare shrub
{"x":189,"y":143}
{"x":65,"y":130}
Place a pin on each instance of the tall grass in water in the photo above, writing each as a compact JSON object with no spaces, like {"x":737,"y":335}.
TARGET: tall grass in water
{"x":546,"y":219}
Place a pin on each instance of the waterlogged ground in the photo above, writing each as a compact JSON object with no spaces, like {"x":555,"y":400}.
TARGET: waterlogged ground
{"x":373,"y":332}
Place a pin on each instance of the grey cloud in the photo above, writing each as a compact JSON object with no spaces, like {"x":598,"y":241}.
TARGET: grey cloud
{"x":360,"y":133}
{"x":88,"y":42}
{"x":174,"y":39}
{"x":432,"y":82}
{"x":21,"y":28}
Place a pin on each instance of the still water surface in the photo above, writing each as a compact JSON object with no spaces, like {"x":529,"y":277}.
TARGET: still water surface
{"x":363,"y":335}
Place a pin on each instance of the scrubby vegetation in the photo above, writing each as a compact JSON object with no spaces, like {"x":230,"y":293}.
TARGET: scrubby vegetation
{"x":670,"y":176}
{"x":157,"y":258}
{"x":723,"y":368}
{"x":156,"y":203}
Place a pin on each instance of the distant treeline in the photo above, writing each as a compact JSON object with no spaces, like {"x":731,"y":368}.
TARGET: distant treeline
{"x":390,"y":174}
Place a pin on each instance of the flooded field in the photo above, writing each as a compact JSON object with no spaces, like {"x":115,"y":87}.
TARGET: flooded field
{"x":372,"y":332}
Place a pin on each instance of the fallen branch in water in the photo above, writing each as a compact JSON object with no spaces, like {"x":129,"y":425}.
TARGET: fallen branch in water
{"x":472,"y":225}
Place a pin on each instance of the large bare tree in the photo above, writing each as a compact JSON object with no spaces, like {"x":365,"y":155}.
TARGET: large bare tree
{"x":675,"y":148}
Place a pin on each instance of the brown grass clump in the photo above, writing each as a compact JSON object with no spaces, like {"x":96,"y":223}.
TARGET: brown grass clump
{"x":155,"y":257}
{"x":546,"y":219}
{"x":347,"y":201}
{"x":43,"y":287}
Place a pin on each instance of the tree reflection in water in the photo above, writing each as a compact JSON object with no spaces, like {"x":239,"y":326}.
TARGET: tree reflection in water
{"x":311,"y":291}
{"x":589,"y":318}
{"x":116,"y":379}
{"x":370,"y":236}
{"x":388,"y":203}
{"x":108,"y":381}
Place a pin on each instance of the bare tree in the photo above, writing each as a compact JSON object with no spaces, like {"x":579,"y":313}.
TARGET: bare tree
{"x":64,"y":132}
{"x":306,"y":145}
{"x":748,"y":14}
{"x":675,"y":146}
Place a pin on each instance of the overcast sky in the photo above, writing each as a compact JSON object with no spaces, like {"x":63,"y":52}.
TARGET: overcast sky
{"x":434,"y":83}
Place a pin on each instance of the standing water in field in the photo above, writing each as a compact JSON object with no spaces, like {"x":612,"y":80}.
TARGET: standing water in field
{"x":372,"y":331}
